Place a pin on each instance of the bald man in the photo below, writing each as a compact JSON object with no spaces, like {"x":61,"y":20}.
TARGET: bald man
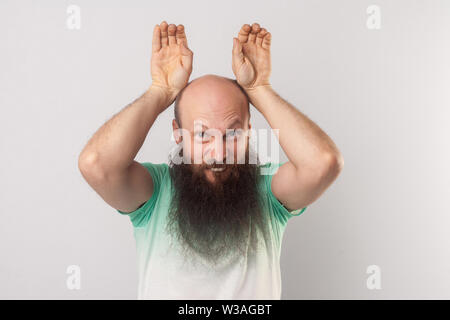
{"x":209,"y":223}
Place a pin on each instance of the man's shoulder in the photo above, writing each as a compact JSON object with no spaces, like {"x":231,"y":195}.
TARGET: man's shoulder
{"x":162,"y":167}
{"x":158,"y":171}
{"x":269,"y":168}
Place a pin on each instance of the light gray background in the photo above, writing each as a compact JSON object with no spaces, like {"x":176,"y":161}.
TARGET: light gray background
{"x":382,"y":96}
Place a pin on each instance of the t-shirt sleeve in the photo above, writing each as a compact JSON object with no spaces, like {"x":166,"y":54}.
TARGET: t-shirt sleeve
{"x":141,"y":215}
{"x":280,"y":212}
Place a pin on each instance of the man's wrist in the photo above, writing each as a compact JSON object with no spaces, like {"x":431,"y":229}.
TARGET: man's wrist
{"x":164,"y":96}
{"x":256,"y":92}
{"x":258,"y":89}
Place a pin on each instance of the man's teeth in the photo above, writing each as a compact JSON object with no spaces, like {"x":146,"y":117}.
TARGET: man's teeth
{"x":217,"y":169}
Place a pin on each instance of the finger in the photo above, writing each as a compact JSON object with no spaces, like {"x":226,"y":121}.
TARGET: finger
{"x":243,"y":33}
{"x":156,"y":41}
{"x":260,"y":36}
{"x":255,"y":30}
{"x":171,"y":33}
{"x":181,"y":35}
{"x":267,"y":40}
{"x":164,"y":35}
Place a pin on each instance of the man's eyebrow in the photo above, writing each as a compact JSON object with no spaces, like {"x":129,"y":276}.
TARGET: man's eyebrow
{"x":235,"y":122}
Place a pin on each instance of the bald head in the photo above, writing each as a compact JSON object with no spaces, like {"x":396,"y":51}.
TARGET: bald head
{"x":211,"y":94}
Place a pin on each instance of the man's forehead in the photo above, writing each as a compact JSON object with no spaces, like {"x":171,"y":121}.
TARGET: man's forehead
{"x":227,"y":118}
{"x":213,"y":103}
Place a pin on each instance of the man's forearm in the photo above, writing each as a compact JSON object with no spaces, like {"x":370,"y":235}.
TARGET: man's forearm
{"x":114,"y":146}
{"x":304,"y":143}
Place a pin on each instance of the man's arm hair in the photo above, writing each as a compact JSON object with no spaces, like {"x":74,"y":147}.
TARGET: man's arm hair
{"x":107,"y":161}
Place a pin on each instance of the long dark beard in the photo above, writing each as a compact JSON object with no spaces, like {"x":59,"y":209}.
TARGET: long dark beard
{"x":216,"y":221}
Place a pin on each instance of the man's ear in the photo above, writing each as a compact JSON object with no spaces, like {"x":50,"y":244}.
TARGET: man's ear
{"x":176,"y":131}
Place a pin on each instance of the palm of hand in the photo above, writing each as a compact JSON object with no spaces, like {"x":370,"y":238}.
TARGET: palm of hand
{"x":251,"y":58}
{"x":171,"y":63}
{"x":167,"y":68}
{"x":255,"y":70}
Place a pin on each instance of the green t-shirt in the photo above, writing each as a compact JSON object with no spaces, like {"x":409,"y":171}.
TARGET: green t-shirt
{"x":162,"y":274}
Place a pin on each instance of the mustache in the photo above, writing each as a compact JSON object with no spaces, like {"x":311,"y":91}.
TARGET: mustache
{"x":218,"y":166}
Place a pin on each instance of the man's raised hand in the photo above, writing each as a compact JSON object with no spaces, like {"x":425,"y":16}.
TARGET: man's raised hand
{"x":251,"y":56}
{"x":171,"y":62}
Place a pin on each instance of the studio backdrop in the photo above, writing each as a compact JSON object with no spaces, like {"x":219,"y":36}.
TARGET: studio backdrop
{"x":374,"y":75}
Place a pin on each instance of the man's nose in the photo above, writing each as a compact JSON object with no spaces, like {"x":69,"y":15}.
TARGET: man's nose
{"x":217,"y":156}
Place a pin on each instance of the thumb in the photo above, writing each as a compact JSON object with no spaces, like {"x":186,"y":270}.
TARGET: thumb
{"x":237,"y":50}
{"x":186,"y":56}
{"x":184,"y":50}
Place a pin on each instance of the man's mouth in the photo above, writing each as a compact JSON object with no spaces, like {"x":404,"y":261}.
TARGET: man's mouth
{"x":217,"y":169}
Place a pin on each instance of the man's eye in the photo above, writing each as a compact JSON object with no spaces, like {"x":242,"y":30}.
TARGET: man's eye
{"x":202,"y":136}
{"x":232,"y":133}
